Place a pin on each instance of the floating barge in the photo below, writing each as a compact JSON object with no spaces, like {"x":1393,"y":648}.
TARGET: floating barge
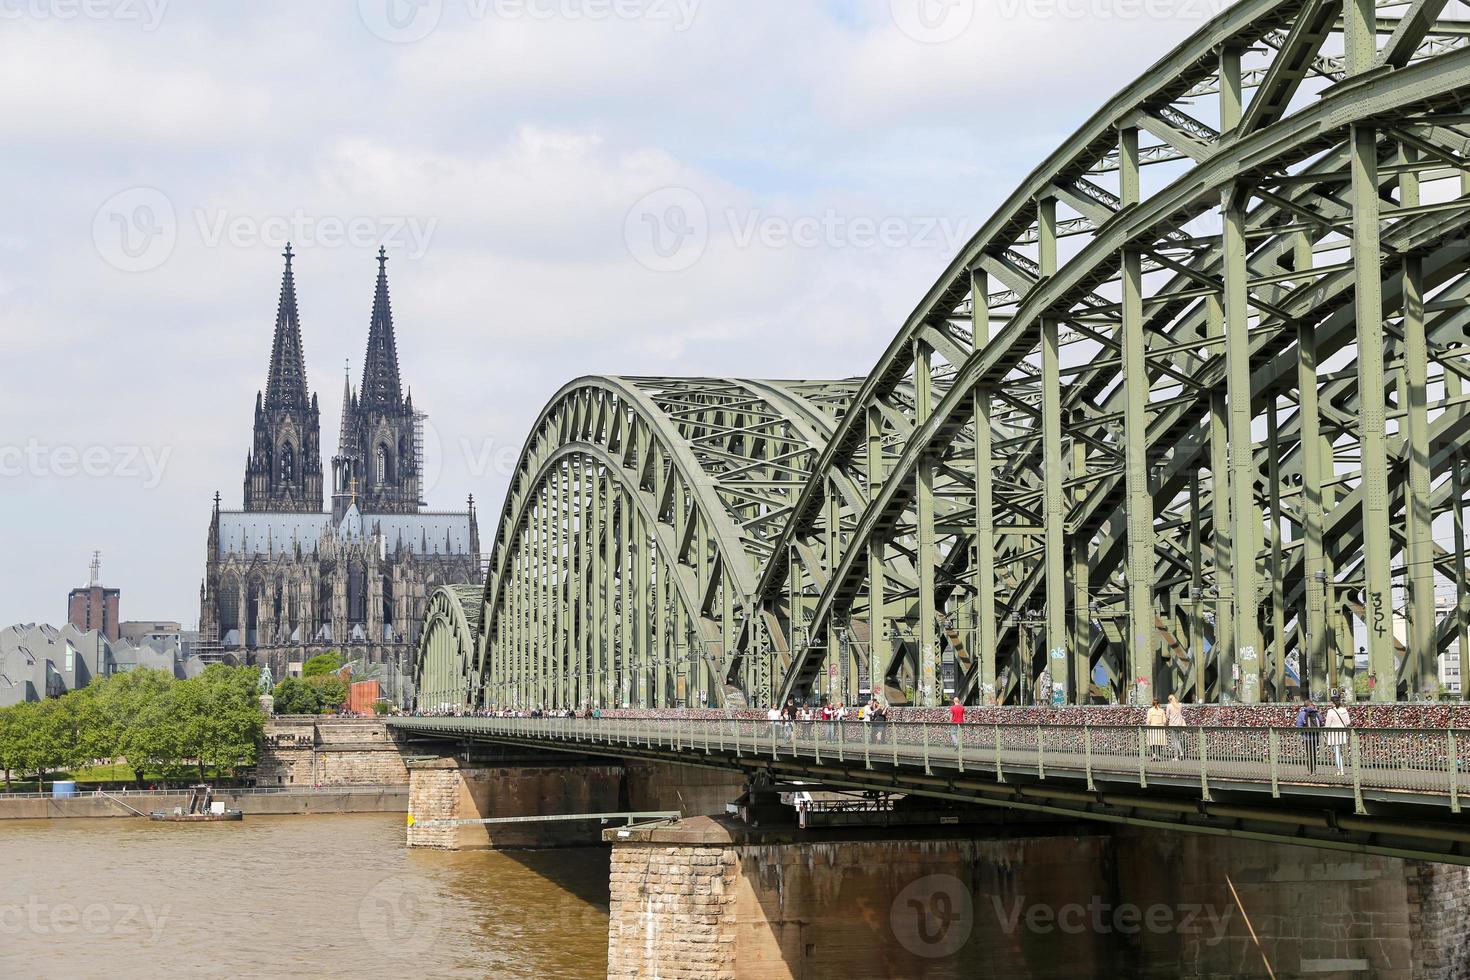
{"x":202,"y":808}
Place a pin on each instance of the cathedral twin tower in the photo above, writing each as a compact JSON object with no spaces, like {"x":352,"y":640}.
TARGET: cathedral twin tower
{"x":285,"y":578}
{"x":378,"y":463}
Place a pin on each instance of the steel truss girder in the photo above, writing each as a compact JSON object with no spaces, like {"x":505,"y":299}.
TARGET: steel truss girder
{"x":1439,"y":85}
{"x":444,"y":672}
{"x":1163,"y":433}
{"x":640,"y":511}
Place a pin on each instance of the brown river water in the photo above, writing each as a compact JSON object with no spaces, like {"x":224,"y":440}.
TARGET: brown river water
{"x":290,"y":896}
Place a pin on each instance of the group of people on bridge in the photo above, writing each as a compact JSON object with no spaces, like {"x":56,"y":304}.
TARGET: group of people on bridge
{"x":832,"y":714}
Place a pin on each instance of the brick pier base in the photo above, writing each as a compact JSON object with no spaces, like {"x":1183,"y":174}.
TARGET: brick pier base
{"x":446,"y":789}
{"x":711,"y":899}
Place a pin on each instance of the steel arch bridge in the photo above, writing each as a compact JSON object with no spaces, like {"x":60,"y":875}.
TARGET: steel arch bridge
{"x":1186,"y":415}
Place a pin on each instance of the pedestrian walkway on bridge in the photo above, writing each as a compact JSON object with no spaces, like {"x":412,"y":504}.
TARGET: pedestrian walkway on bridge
{"x":1395,"y":787}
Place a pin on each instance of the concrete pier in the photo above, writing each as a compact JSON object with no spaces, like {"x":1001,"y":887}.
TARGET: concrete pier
{"x":448,"y":789}
{"x":515,"y":784}
{"x":714,"y":899}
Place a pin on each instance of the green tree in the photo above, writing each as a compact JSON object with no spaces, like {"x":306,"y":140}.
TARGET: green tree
{"x":322,"y":664}
{"x":10,"y":741}
{"x":47,"y":736}
{"x":217,"y":717}
{"x":293,"y":696}
{"x":71,"y":722}
{"x":132,"y":719}
{"x":331,"y":691}
{"x":25,"y":737}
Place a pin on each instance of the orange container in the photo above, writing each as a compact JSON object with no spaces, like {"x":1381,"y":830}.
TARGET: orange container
{"x":362,"y":696}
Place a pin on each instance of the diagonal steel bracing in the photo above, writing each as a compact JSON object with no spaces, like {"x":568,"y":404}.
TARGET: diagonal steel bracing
{"x":1186,"y":415}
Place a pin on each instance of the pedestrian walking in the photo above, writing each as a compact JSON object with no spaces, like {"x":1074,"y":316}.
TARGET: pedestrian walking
{"x":956,"y":718}
{"x":829,"y":721}
{"x":879,"y":714}
{"x":1309,"y":720}
{"x":1338,"y":722}
{"x":1157,"y":719}
{"x":1174,"y":718}
{"x":804,"y":715}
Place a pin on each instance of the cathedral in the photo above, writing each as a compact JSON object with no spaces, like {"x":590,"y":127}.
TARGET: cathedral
{"x":285,"y":578}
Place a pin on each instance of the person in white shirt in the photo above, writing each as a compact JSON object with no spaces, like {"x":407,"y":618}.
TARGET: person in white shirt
{"x":1337,"y":723}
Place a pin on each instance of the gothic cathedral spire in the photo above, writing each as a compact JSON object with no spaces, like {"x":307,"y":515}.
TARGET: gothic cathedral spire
{"x":286,"y":383}
{"x":381,"y":388}
{"x":284,"y":470}
{"x":377,"y":462}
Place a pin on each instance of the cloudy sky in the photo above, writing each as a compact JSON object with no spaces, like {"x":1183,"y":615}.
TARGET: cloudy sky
{"x":565,"y":187}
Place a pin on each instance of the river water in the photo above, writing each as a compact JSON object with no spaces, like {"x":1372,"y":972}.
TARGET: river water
{"x":290,"y":896}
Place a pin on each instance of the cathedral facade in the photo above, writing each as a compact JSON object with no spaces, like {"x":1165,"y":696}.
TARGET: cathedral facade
{"x":285,"y":577}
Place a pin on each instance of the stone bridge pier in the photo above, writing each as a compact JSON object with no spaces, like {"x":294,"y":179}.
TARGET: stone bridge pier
{"x":713,"y":898}
{"x":932,"y":889}
{"x":495,"y":783}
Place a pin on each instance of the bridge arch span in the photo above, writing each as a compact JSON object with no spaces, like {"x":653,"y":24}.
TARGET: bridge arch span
{"x":444,"y":669}
{"x":1151,"y":317}
{"x":1185,"y":416}
{"x":632,"y":533}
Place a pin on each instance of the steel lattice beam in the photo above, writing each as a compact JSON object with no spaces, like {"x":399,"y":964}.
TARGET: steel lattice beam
{"x":1194,"y":451}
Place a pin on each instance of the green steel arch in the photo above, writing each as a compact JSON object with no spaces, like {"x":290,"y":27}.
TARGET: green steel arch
{"x":1186,"y":415}
{"x":632,"y":534}
{"x":1223,"y":270}
{"x":443,"y":671}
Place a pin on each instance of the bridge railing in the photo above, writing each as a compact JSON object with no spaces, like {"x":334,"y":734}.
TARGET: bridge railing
{"x":291,"y":789}
{"x":1432,"y":762}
